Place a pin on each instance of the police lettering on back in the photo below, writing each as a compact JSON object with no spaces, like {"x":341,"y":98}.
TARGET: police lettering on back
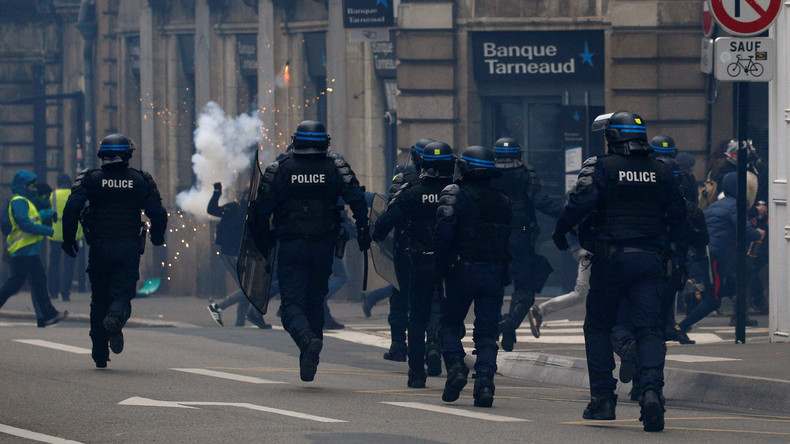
{"x":637,"y":176}
{"x":308,"y":178}
{"x":430,"y":198}
{"x":117,"y":183}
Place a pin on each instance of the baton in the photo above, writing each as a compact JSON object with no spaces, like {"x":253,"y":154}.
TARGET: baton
{"x":365,"y":275}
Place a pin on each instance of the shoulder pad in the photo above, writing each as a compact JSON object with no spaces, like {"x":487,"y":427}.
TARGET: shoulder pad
{"x":590,"y":162}
{"x":452,"y":189}
{"x":340,"y":162}
{"x":345,"y":171}
{"x":449,"y":195}
{"x":271,"y":171}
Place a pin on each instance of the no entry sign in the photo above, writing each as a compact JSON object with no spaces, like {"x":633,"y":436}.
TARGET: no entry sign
{"x":745,"y":17}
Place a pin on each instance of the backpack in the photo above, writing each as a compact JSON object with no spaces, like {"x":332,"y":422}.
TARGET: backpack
{"x":708,"y":193}
{"x":5,"y":220}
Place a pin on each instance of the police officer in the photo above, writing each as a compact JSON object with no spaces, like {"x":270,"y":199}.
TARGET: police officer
{"x":115,"y":193}
{"x":626,"y":203}
{"x":302,"y":191}
{"x":530,"y":270}
{"x":413,"y":210}
{"x":471,"y":243}
{"x":664,"y":148}
{"x":399,"y":298}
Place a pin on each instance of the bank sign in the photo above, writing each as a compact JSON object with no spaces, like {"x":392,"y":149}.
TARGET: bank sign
{"x":538,"y":55}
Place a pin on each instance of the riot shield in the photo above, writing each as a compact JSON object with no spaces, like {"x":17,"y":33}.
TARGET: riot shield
{"x":253,"y":268}
{"x":382,"y":252}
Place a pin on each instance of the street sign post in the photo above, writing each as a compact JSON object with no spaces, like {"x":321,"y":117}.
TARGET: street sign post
{"x":745,"y":17}
{"x":745,"y":60}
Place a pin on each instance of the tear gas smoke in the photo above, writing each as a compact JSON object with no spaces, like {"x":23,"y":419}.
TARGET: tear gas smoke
{"x":225,"y":147}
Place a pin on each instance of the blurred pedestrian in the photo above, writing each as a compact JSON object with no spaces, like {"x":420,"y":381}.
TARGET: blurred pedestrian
{"x":60,"y":278}
{"x":26,"y":230}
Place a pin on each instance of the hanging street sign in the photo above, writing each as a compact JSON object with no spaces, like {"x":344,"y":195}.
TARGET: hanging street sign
{"x":706,"y":56}
{"x":707,"y":19}
{"x":744,"y":60}
{"x":745,"y":17}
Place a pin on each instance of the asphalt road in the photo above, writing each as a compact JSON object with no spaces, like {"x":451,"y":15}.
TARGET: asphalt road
{"x":209,"y":384}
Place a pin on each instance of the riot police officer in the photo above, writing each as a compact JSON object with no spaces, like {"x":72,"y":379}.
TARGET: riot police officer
{"x":471,"y":244}
{"x":115,"y":193}
{"x":664,"y":148}
{"x":529,"y":270}
{"x":399,"y":298}
{"x":302,"y":191}
{"x":413,"y":210}
{"x":627,"y":203}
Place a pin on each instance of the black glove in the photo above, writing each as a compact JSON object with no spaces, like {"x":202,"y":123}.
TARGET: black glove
{"x":218,"y":187}
{"x":363,"y":237}
{"x":70,"y":247}
{"x":158,"y":239}
{"x":559,"y":239}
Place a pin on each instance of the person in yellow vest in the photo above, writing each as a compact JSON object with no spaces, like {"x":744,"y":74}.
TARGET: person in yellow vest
{"x":60,"y":278}
{"x":24,"y":246}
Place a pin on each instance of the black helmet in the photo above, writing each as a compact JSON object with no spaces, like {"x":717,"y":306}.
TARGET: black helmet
{"x":310,"y":138}
{"x":416,"y":151}
{"x":507,"y":147}
{"x":478,"y":161}
{"x":664,"y":146}
{"x":625,"y":132}
{"x":116,"y":145}
{"x":438,"y":160}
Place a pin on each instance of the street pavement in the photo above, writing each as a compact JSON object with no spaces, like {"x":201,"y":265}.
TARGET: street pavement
{"x":181,"y":378}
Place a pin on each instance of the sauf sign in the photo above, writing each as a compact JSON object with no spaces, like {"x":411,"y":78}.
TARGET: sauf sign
{"x":539,"y":54}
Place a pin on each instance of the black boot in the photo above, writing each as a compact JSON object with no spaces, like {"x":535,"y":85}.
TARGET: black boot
{"x":310,"y":349}
{"x":601,"y":406}
{"x":456,"y":380}
{"x":508,"y":335}
{"x":636,"y":391}
{"x":433,"y":359}
{"x":99,"y":351}
{"x":397,"y":352}
{"x":416,"y":379}
{"x":113,"y":324}
{"x":628,"y":364}
{"x":652,"y":403}
{"x":484,"y":390}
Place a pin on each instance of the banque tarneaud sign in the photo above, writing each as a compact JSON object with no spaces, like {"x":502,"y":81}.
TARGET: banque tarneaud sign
{"x":538,"y":55}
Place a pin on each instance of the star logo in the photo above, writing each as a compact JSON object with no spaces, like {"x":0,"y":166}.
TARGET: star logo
{"x":383,"y":3}
{"x":576,"y":116}
{"x":587,"y":55}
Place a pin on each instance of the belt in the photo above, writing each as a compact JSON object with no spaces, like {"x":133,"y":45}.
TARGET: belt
{"x":636,"y":250}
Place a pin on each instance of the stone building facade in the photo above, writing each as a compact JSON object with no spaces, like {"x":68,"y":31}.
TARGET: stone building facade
{"x":467,"y":72}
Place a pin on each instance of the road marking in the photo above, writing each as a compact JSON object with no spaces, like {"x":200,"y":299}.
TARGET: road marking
{"x":55,"y":345}
{"x":360,"y":337}
{"x":456,"y":411}
{"x":145,"y":402}
{"x":697,"y":358}
{"x":17,"y":324}
{"x":231,"y":376}
{"x":34,"y":436}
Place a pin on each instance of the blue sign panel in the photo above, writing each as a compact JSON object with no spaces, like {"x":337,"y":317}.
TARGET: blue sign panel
{"x":538,"y":55}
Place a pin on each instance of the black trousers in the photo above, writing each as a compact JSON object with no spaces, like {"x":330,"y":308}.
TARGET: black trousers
{"x":60,"y":279}
{"x":23,"y":267}
{"x":113,"y":268}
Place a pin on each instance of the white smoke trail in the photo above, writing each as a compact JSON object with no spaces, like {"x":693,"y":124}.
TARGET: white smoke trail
{"x":225,"y":148}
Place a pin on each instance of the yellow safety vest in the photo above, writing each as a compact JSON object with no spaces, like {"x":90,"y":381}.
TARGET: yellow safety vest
{"x":58,"y":200}
{"x":19,"y":239}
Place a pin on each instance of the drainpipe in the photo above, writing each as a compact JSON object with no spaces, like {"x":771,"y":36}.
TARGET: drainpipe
{"x":88,"y":28}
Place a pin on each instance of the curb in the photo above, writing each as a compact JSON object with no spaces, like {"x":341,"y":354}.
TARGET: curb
{"x":83,"y":318}
{"x":765,"y":394}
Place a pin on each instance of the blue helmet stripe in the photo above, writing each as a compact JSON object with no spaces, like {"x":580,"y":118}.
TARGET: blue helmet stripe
{"x":431,"y":157}
{"x":627,"y":126}
{"x":312,"y":139}
{"x":308,"y":133}
{"x":479,"y":162}
{"x":506,"y":150}
{"x":418,"y":149}
{"x":115,"y":146}
{"x":661,"y":149}
{"x":634,"y":131}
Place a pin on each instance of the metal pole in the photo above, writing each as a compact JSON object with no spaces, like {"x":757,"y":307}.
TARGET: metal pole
{"x":740,"y":221}
{"x":88,"y":27}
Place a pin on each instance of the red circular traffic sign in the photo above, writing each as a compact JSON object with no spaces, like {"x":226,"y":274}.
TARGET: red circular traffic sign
{"x":745,"y":17}
{"x":707,"y":19}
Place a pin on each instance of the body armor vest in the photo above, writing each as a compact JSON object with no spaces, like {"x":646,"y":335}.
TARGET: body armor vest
{"x":116,"y":198}
{"x":487,"y":239}
{"x":310,"y":196}
{"x":631,"y":207}
{"x":515,"y":183}
{"x":426,"y":200}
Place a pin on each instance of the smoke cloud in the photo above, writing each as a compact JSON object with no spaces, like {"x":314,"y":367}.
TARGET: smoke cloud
{"x":225,"y":147}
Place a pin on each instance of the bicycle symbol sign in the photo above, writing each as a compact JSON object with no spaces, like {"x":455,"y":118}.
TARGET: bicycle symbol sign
{"x":745,"y":59}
